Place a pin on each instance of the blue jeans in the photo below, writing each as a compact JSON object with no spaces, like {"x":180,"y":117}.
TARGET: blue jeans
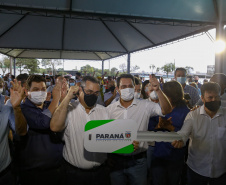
{"x":150,"y":152}
{"x":76,"y":176}
{"x":194,"y":178}
{"x":129,"y":171}
{"x":166,"y":172}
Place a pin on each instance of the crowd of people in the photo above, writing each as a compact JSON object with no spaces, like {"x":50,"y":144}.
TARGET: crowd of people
{"x":42,"y":120}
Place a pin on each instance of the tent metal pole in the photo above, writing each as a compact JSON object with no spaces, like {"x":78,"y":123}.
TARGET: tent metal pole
{"x":219,"y":36}
{"x":219,"y":56}
{"x":102,"y":67}
{"x":128,"y":63}
{"x":11,"y":65}
{"x":14,"y":66}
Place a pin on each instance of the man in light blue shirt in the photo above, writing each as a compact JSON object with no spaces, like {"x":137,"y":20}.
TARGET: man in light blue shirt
{"x":180,"y":76}
{"x":6,"y":120}
{"x":5,"y":159}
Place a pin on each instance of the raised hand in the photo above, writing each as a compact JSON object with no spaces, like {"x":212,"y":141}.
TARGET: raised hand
{"x":16,"y":93}
{"x":72,"y":91}
{"x":64,"y":88}
{"x":48,"y":97}
{"x":154,"y":83}
{"x":57,"y":90}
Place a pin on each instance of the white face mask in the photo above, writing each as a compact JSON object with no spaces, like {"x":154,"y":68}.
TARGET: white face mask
{"x":136,"y":95}
{"x":146,"y":89}
{"x":1,"y":90}
{"x":127,"y":94}
{"x":153,"y":95}
{"x":38,"y":97}
{"x":181,"y":80}
{"x":48,"y":83}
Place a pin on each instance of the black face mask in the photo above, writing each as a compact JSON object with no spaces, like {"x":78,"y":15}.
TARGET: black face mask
{"x":90,"y":99}
{"x":196,"y":81}
{"x":112,"y":88}
{"x":213,"y":105}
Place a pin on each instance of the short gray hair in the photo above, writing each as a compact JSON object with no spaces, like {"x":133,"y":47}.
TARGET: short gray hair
{"x":88,"y":78}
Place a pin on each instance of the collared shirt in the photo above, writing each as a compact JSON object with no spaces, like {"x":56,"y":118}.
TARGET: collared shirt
{"x":223,"y":101}
{"x":199,"y":85}
{"x":5,"y":112}
{"x":207,"y":148}
{"x":194,"y":94}
{"x":74,"y":151}
{"x":41,"y":148}
{"x":140,"y":111}
{"x":164,"y":149}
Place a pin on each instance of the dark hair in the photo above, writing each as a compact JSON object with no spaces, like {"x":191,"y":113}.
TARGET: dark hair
{"x":35,"y":78}
{"x":88,"y":78}
{"x":137,"y":81}
{"x":210,"y":87}
{"x":143,"y":90}
{"x":71,"y":79}
{"x":12,"y":77}
{"x":78,"y":74}
{"x":23,"y":78}
{"x":180,"y":69}
{"x":125,"y":76}
{"x":174,"y":91}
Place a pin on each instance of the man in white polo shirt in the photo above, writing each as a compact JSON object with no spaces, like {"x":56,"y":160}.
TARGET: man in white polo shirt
{"x":81,"y":167}
{"x":132,"y":169}
{"x":206,"y":127}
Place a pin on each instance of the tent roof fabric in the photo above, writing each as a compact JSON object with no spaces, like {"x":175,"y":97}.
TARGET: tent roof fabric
{"x":100,"y":29}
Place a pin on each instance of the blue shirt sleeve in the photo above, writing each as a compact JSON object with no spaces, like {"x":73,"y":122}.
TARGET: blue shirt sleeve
{"x":36,"y":118}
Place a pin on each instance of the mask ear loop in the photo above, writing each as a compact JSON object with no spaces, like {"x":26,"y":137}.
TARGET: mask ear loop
{"x":84,"y":92}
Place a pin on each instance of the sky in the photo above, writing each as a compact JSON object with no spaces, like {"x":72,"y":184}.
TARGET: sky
{"x":197,"y":52}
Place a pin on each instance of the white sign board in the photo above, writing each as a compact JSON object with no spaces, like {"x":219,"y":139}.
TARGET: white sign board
{"x":116,"y":136}
{"x":110,"y":136}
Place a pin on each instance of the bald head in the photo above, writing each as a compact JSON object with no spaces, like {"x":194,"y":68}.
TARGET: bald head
{"x":219,"y":78}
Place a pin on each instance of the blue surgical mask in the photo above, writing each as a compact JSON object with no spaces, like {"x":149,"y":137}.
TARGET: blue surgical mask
{"x":181,"y":80}
{"x":72,"y":84}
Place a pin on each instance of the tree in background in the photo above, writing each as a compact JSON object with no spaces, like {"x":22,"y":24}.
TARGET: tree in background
{"x":189,"y":69}
{"x":168,"y":68}
{"x":31,"y":65}
{"x":20,"y":63}
{"x":134,"y":68}
{"x":123,"y":67}
{"x":5,"y":64}
{"x":114,"y":70}
{"x":152,"y":66}
{"x":45,"y":63}
{"x":60,"y":71}
{"x":53,"y":63}
{"x":157,"y":69}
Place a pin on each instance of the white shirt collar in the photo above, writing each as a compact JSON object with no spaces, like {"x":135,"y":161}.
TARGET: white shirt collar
{"x":134,"y":102}
{"x":219,"y":112}
{"x":83,"y":108}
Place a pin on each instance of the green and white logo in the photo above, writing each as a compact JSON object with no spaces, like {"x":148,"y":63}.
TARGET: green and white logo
{"x":111,"y":136}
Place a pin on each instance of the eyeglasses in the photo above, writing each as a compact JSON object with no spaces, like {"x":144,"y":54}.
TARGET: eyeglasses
{"x":90,"y":92}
